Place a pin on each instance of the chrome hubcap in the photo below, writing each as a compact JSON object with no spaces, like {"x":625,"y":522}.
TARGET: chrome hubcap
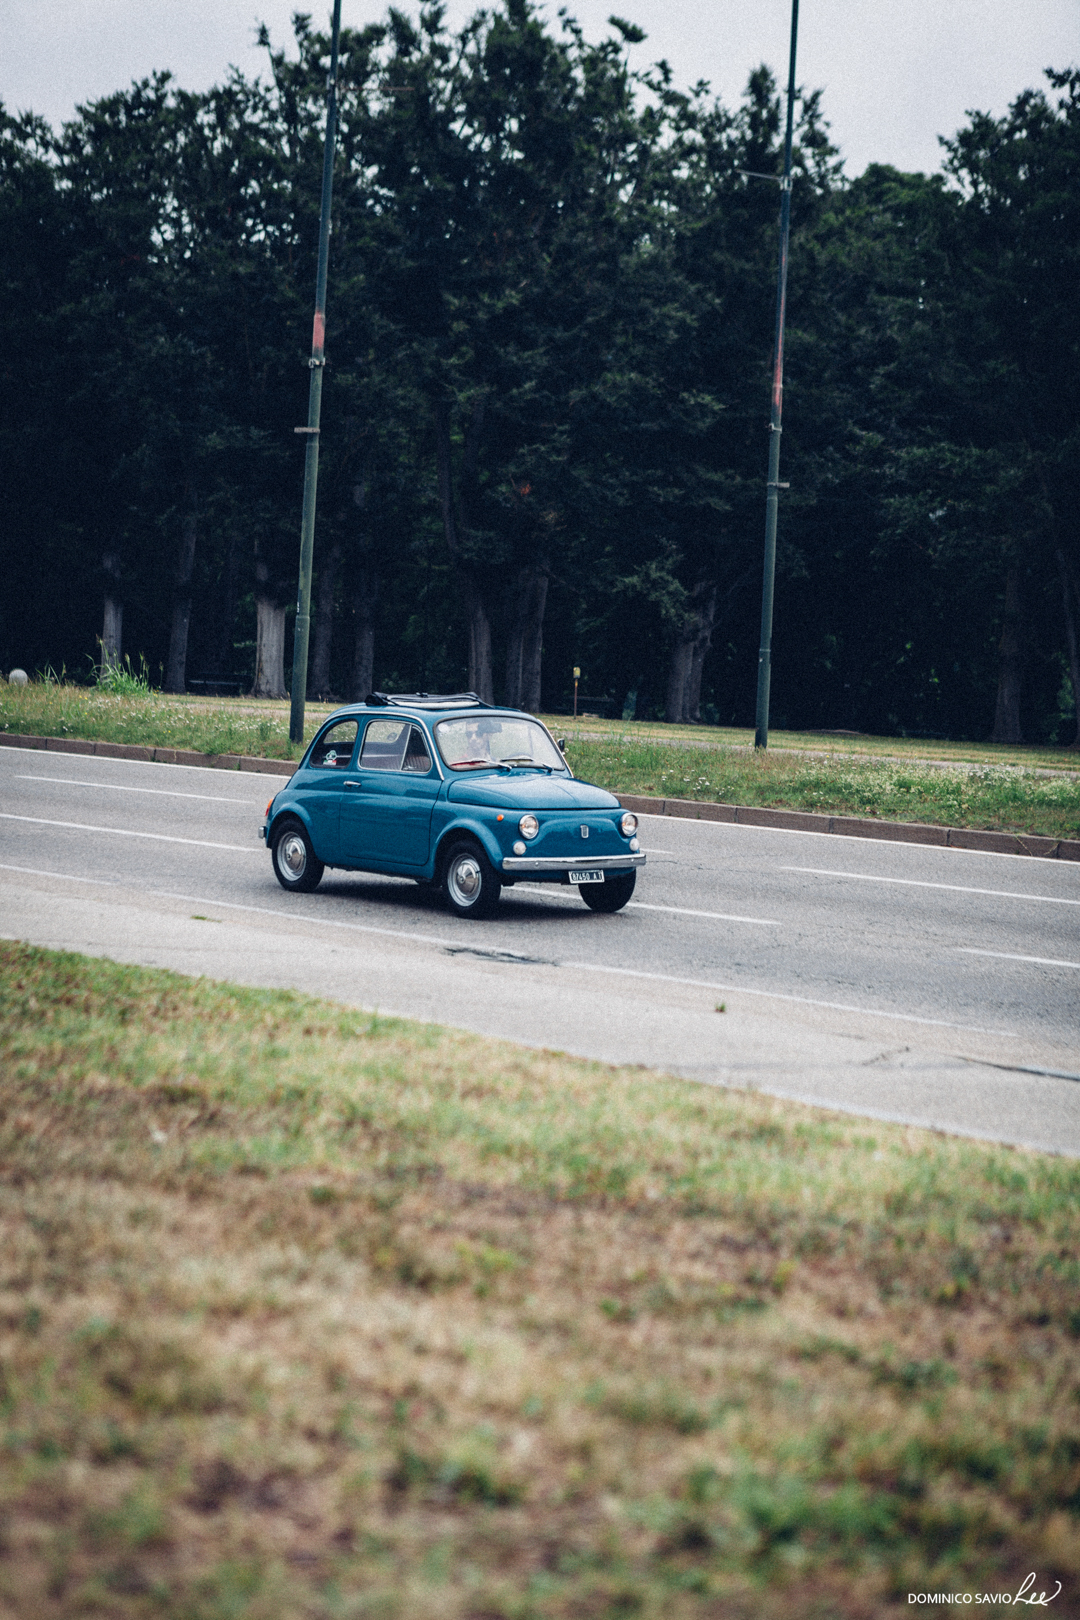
{"x":464,"y":879}
{"x":292,"y":855}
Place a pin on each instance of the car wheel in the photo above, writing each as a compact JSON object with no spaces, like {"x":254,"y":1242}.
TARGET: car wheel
{"x":296,"y":865}
{"x":611,"y":895}
{"x":470,"y":882}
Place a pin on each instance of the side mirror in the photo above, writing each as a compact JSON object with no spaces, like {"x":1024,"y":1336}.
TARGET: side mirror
{"x":562,"y":744}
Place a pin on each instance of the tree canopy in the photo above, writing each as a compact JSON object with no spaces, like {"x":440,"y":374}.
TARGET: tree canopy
{"x":546,"y":404}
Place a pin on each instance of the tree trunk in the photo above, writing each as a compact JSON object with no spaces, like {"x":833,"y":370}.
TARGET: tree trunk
{"x":678,"y":687}
{"x":533,"y":636}
{"x":324,"y":623}
{"x":702,"y":643}
{"x":269,"y":639}
{"x":480,"y":678}
{"x":1068,"y":590}
{"x":365,"y":598}
{"x":528,"y":600}
{"x":221,"y":614}
{"x":516,"y":616}
{"x":176,"y":668}
{"x":688,"y":656}
{"x":112,"y":629}
{"x":1007,"y":714}
{"x":364,"y":601}
{"x":269,"y":649}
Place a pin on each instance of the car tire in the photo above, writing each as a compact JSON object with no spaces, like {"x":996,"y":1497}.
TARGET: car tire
{"x":611,"y":895}
{"x":470,"y":883}
{"x":296,"y":865}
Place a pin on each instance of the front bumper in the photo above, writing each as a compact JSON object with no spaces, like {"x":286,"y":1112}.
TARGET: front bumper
{"x":571,"y":863}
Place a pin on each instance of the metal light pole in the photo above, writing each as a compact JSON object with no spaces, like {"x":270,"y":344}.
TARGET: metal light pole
{"x":773,"y":487}
{"x":317,"y":364}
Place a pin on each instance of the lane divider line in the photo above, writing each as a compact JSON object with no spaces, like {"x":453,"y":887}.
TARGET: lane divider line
{"x":65,"y":877}
{"x":802,"y":1001}
{"x":644,"y":905}
{"x":719,"y":916}
{"x":1012,"y":956}
{"x":122,"y":787}
{"x":127,"y":832}
{"x":455,"y":946}
{"x":923,"y":883}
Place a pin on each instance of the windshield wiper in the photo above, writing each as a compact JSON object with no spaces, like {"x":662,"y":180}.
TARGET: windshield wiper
{"x":522,"y":759}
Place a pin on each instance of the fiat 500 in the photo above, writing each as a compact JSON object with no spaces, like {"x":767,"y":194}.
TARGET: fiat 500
{"x":454,"y":793}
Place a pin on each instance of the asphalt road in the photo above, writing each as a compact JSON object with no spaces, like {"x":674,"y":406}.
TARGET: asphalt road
{"x":934,"y":986}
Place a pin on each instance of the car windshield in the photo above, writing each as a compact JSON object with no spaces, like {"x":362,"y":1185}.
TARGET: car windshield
{"x":496,"y":740}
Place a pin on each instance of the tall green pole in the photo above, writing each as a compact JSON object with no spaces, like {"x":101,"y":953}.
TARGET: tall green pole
{"x":311,"y":432}
{"x":773,"y":487}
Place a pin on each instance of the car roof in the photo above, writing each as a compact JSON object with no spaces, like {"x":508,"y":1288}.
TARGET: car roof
{"x":424,"y":706}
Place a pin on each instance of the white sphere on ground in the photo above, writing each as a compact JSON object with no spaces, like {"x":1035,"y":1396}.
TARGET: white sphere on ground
{"x":18,"y":677}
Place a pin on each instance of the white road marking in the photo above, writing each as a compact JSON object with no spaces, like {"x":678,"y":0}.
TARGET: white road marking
{"x":922,"y":883}
{"x":644,"y":905}
{"x":127,"y":832}
{"x":1011,"y":956}
{"x":950,"y":850}
{"x":718,"y":916}
{"x":582,"y":967}
{"x":66,"y":877}
{"x":802,"y":1001}
{"x":121,"y":787}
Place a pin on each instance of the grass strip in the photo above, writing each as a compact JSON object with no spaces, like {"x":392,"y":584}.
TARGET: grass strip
{"x":152,"y":719}
{"x":309,"y":1312}
{"x":995,"y":797}
{"x":999,"y":797}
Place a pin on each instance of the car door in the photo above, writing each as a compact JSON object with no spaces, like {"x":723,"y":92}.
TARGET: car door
{"x":389,"y":797}
{"x":319,"y":787}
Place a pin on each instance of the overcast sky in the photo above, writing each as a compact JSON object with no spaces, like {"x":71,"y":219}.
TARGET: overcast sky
{"x":896,"y":73}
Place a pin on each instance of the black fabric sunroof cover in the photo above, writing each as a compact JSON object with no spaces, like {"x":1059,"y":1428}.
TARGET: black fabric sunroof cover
{"x":428,"y":700}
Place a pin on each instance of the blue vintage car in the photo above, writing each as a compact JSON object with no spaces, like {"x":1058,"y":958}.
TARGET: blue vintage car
{"x":455,"y":793}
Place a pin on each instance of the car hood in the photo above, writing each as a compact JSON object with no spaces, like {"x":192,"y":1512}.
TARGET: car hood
{"x":530,"y":790}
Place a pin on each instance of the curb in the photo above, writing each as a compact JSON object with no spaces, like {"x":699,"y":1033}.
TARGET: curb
{"x":160,"y":756}
{"x":900,"y":832}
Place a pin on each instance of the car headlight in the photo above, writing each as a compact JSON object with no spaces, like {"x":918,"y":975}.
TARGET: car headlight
{"x":629,"y":824}
{"x":528,"y":826}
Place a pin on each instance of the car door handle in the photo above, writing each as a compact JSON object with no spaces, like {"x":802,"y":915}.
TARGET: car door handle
{"x":353,"y":784}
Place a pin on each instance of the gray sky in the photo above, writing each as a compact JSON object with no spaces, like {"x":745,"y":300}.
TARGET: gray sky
{"x":896,"y":73}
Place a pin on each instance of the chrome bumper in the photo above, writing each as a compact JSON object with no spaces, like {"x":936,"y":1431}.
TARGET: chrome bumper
{"x":571,"y":863}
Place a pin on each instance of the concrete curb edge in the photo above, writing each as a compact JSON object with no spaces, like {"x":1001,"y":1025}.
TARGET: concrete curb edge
{"x":903,"y":832}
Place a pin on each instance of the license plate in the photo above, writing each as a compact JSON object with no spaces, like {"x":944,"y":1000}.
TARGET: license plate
{"x":587,"y":877}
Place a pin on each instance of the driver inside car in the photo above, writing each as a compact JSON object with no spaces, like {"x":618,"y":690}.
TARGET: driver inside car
{"x":478,"y":741}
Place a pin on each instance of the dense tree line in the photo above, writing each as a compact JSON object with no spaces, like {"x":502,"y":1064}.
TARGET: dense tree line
{"x":545,"y":410}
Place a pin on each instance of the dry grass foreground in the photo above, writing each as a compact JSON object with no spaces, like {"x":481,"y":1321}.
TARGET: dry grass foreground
{"x":308,"y":1313}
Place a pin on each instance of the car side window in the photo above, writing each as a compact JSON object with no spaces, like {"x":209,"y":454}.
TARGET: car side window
{"x":417,"y":757}
{"x":384,"y":747}
{"x":334,"y":749}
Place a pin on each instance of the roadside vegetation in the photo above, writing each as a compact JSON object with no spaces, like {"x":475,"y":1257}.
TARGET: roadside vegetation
{"x":996,"y":796}
{"x":308,"y":1312}
{"x":998,"y":789}
{"x":128,"y":711}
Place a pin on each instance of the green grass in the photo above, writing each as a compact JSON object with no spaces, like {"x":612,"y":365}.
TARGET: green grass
{"x":304,"y":1312}
{"x":152,"y":719}
{"x":831,"y":743}
{"x":1013,"y":799}
{"x":997,"y":789}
